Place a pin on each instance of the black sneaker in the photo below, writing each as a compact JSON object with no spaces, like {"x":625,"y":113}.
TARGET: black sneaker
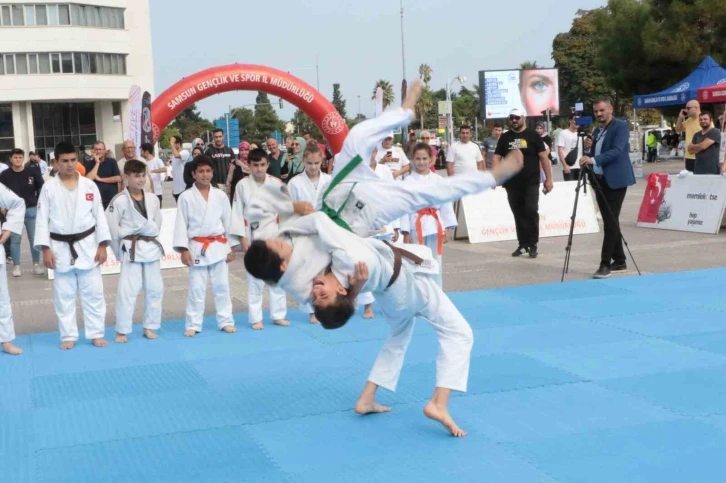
{"x":533,"y":251}
{"x":520,"y":251}
{"x":618,"y":268}
{"x":602,"y":272}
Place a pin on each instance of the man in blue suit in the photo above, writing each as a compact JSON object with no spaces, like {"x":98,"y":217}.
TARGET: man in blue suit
{"x":613,"y":171}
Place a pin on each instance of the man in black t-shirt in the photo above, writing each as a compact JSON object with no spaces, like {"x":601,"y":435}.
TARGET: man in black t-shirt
{"x":523,"y":189}
{"x":104,"y":171}
{"x":222,"y":156}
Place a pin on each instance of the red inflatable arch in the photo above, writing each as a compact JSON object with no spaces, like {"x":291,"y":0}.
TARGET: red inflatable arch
{"x":247,"y":77}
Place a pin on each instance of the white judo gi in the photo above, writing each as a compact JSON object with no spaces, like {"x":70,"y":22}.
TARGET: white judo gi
{"x":428,"y":226}
{"x":202,"y":227}
{"x":14,"y":221}
{"x":140,"y":259}
{"x":62,"y":213}
{"x":302,"y":189}
{"x":246,"y":190}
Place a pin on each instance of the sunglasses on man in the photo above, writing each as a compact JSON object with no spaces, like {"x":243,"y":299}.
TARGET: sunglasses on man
{"x":515,"y":118}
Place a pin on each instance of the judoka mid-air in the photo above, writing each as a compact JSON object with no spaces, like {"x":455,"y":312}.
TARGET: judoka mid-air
{"x":322,"y":258}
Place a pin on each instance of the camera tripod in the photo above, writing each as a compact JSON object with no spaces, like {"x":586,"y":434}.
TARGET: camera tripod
{"x":582,"y":182}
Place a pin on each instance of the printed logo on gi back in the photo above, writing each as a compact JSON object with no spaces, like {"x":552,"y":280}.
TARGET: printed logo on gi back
{"x":89,"y":196}
{"x":254,"y":225}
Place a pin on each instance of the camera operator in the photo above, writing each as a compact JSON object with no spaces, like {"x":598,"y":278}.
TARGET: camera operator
{"x":523,"y":189}
{"x":611,"y":168}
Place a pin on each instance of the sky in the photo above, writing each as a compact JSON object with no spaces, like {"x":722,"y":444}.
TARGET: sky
{"x":355,"y":42}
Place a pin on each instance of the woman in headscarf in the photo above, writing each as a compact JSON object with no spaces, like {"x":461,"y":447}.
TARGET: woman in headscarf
{"x":238,"y":169}
{"x":294,"y":161}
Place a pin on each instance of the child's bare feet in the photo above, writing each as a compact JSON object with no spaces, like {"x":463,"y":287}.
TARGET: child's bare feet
{"x":258,"y":326}
{"x":230,"y":329}
{"x":100,"y":342}
{"x":368,"y":313}
{"x":121,"y":338}
{"x":150,"y":334}
{"x":441,"y":414}
{"x":190,"y":333}
{"x":68,"y":345}
{"x":313,"y":319}
{"x":281,"y":322}
{"x":370,"y":407}
{"x":9,"y":348}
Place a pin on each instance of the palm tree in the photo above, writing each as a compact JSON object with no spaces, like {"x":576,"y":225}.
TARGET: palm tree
{"x":424,"y":72}
{"x":528,"y":65}
{"x":387,"y":92}
{"x":426,"y":101}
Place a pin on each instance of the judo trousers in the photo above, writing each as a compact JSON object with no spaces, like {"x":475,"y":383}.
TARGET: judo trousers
{"x":198,"y":276}
{"x":7,"y":327}
{"x":278,"y":301}
{"x":134,"y":277}
{"x":88,"y":285}
{"x":454,"y":334}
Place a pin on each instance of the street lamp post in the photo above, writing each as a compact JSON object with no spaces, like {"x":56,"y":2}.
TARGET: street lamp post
{"x":461,"y":80}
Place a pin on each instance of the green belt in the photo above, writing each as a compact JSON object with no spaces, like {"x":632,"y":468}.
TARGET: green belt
{"x":335,"y":215}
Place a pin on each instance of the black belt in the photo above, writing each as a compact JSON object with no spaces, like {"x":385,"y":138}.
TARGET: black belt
{"x":71,"y":239}
{"x":135,"y":238}
{"x":398,"y":255}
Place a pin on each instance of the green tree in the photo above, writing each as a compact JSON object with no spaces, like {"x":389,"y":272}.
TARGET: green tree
{"x":527,"y":65}
{"x":425,"y":101}
{"x":165,"y":138}
{"x":388,"y":96}
{"x":304,"y":124}
{"x":190,"y":124}
{"x":266,"y":120}
{"x":424,"y":73}
{"x":338,"y":101}
{"x":575,"y":55}
{"x":247,"y":127}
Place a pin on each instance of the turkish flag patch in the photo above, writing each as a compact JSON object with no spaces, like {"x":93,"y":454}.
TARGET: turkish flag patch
{"x":89,"y":196}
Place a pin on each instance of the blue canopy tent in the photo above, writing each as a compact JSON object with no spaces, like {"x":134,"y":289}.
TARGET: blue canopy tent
{"x":708,"y":73}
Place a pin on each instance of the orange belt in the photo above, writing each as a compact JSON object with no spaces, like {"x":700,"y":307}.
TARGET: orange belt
{"x":435,"y":213}
{"x":208,"y":240}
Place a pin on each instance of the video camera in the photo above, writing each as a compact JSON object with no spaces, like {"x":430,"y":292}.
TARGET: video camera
{"x":582,"y":122}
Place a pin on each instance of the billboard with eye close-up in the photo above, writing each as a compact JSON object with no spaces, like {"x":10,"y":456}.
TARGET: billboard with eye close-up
{"x":532,"y":90}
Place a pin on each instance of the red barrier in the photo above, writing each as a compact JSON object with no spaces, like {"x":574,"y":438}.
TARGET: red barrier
{"x":247,"y":77}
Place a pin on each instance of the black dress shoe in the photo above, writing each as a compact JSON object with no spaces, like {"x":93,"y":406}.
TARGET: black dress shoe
{"x":520,"y":251}
{"x":533,"y":251}
{"x":618,"y":268}
{"x":602,"y":272}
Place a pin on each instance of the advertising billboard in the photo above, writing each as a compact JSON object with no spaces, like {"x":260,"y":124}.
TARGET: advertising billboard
{"x":532,"y":90}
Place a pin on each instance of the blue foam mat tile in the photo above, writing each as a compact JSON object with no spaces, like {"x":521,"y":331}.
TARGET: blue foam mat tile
{"x":669,"y":324}
{"x":398,"y":446}
{"x":665,"y":282}
{"x":560,"y":291}
{"x":16,"y":446}
{"x":475,"y":299}
{"x":48,"y":391}
{"x":553,"y":411}
{"x":16,"y":368}
{"x":510,"y":316}
{"x":356,"y":329}
{"x":15,"y":397}
{"x":718,"y":421}
{"x":714,"y":342}
{"x":555,"y":335}
{"x":87,"y":422}
{"x":286,"y":396}
{"x":628,"y":358}
{"x":664,"y":452}
{"x":697,"y":392}
{"x":214,"y":455}
{"x":422,"y":348}
{"x":609,"y":306}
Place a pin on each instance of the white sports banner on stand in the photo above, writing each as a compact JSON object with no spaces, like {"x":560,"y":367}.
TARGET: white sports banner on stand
{"x":690,"y":203}
{"x":171,"y":259}
{"x":489,"y":218}
{"x":134,"y":123}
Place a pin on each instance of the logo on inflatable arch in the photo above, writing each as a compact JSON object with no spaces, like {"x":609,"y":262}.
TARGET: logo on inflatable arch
{"x":333,"y":123}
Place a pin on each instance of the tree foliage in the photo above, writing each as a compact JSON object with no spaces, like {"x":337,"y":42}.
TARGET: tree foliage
{"x":304,"y":124}
{"x":190,"y":124}
{"x":388,"y":96}
{"x":339,"y":102}
{"x":266,"y":120}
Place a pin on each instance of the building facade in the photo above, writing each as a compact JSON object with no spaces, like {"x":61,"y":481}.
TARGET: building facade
{"x":66,"y":70}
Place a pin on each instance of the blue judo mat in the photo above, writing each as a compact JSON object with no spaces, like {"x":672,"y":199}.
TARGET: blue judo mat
{"x":598,"y":381}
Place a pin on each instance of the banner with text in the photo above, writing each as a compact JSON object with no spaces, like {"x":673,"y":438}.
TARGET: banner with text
{"x":689,"y":203}
{"x":489,"y":218}
{"x":171,"y":259}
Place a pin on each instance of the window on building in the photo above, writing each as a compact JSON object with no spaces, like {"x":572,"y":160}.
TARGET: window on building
{"x":21,"y":64}
{"x":56,"y":122}
{"x":2,"y":66}
{"x":64,"y":15}
{"x":18,"y":18}
{"x":116,"y":108}
{"x":55,"y":63}
{"x":9,"y":64}
{"x":41,"y":15}
{"x":33,"y":63}
{"x":6,"y":17}
{"x":44,"y":63}
{"x":62,"y":62}
{"x":30,"y":15}
{"x":7,"y":133}
{"x":67,"y":63}
{"x":52,"y":14}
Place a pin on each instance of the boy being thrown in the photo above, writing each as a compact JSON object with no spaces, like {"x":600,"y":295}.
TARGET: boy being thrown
{"x":315,"y":258}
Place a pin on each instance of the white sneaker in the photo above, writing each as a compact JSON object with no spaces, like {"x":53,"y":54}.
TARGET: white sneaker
{"x":38,"y":270}
{"x":16,"y":271}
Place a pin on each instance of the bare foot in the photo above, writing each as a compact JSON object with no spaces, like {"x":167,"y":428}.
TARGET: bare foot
{"x":258,"y":326}
{"x":313,"y":319}
{"x":368,"y":314}
{"x":190,"y":333}
{"x":150,"y":334}
{"x":121,"y":338}
{"x":281,"y":322}
{"x":9,"y":348}
{"x":100,"y":342}
{"x":370,"y":407}
{"x":441,"y":414}
{"x":68,"y":345}
{"x":230,"y":329}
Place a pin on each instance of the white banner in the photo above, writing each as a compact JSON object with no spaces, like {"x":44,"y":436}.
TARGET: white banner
{"x":133,"y":127}
{"x":489,"y":218}
{"x":171,"y":258}
{"x":692,"y":203}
